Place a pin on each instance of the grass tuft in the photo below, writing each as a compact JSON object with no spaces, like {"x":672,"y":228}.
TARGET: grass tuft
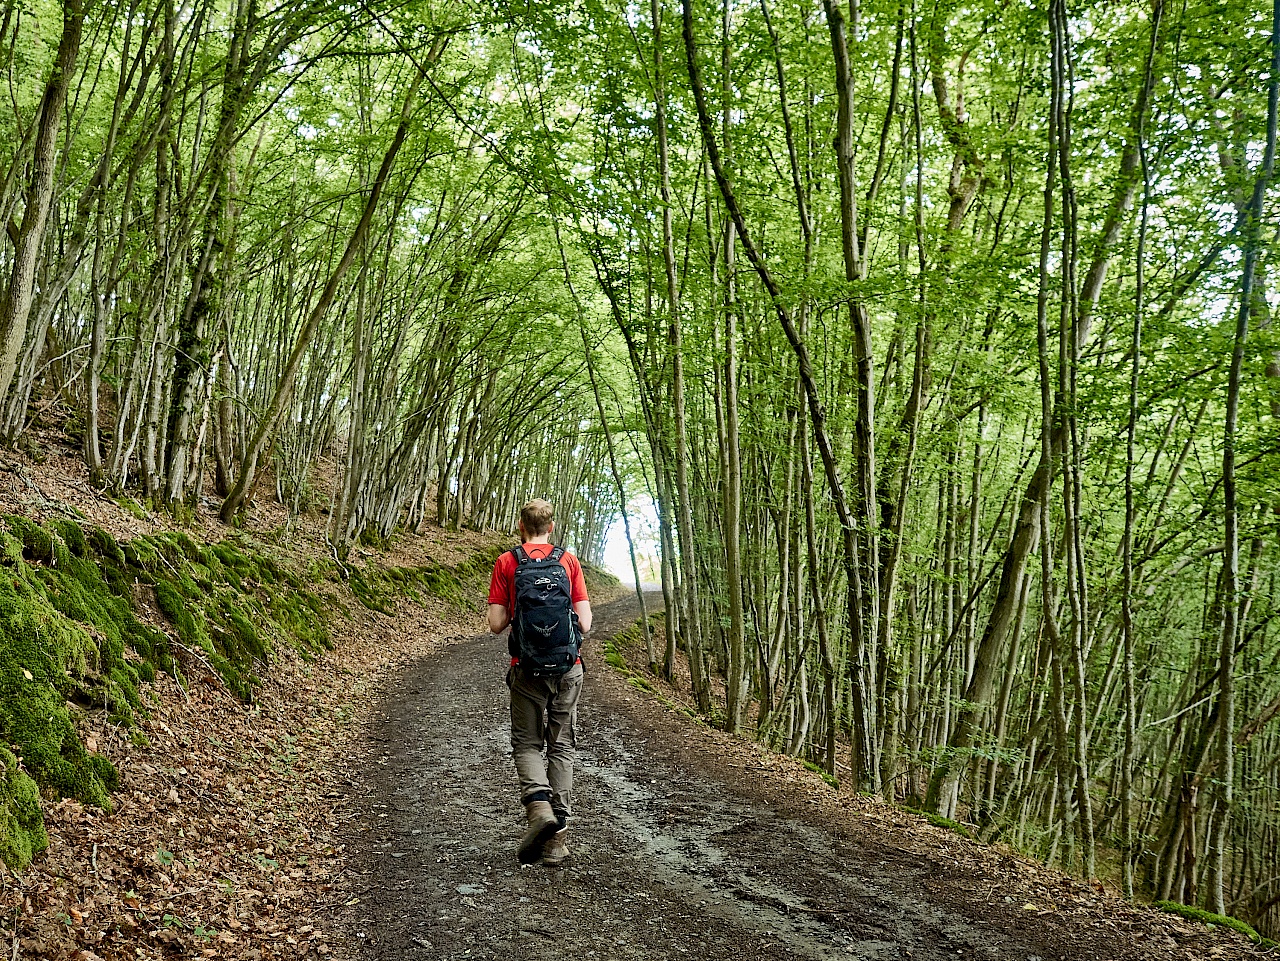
{"x":938,"y":821}
{"x":831,"y":779}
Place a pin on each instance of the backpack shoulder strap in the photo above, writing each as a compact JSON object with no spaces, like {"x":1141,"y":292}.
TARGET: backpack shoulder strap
{"x":556,"y":554}
{"x":518,"y":553}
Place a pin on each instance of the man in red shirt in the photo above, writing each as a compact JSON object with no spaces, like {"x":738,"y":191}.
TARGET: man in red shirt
{"x":543,"y":708}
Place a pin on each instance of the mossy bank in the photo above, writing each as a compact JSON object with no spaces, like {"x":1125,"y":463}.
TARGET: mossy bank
{"x":86,"y":623}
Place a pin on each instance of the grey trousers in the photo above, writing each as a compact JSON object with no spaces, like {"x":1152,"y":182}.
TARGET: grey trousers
{"x":544,"y":714}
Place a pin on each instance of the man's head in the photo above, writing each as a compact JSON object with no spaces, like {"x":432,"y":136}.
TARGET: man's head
{"x":537,"y":518}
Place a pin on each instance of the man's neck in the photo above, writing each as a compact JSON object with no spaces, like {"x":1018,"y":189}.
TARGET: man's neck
{"x":539,"y":539}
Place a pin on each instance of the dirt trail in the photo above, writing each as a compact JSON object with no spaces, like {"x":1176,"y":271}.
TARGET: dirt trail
{"x":674,"y":854}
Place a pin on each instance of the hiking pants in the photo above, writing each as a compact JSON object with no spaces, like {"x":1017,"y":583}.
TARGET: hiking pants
{"x":544,"y":714}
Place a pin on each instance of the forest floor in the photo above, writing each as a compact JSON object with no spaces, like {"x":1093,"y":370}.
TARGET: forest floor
{"x":365,"y":807}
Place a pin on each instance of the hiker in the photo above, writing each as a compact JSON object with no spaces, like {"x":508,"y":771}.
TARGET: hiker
{"x":539,"y":590}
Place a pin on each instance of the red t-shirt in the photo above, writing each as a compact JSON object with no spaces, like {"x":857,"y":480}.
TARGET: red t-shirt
{"x":502,"y":586}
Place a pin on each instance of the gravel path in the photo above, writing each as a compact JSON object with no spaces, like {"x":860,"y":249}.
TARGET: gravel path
{"x":674,"y":854}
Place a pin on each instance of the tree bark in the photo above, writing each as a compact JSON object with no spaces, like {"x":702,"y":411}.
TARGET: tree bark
{"x":675,"y":339}
{"x":15,"y":304}
{"x":1232,"y":598}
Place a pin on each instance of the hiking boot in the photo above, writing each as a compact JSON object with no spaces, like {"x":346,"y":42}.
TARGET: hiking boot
{"x":556,"y":852}
{"x":542,"y":824}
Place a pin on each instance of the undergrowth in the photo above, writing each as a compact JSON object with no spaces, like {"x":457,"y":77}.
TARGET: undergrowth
{"x":633,"y":636}
{"x":378,"y":588}
{"x":70,"y":599}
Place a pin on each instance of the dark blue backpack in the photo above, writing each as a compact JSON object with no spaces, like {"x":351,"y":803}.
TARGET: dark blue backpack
{"x":544,"y":627}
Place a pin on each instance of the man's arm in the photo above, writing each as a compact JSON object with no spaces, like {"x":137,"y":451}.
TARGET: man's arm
{"x":499,"y":618}
{"x":581,"y":608}
{"x":499,"y":592}
{"x":578,"y":593}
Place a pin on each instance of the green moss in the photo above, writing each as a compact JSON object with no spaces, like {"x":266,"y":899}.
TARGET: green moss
{"x":269,"y":572}
{"x":189,"y":548}
{"x":479,"y":564}
{"x":67,"y":632}
{"x":1221,"y":920}
{"x":174,"y":606}
{"x":22,"y":834}
{"x":73,"y":641}
{"x":182,"y":512}
{"x":440,"y":582}
{"x":229,"y":557}
{"x":134,"y":507}
{"x":72,"y":536}
{"x":247,"y":637}
{"x":377,"y":588}
{"x":35,"y":717}
{"x":301,"y":617}
{"x":368,"y":590}
{"x":110,"y":561}
{"x":938,"y":821}
{"x":831,"y":779}
{"x":10,"y":549}
{"x":141,"y":553}
{"x":38,"y":544}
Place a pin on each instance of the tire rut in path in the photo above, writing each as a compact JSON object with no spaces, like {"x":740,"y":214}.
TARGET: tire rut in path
{"x":670,"y":859}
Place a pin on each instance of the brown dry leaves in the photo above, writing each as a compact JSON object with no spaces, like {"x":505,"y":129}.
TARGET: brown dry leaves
{"x":221,"y":843}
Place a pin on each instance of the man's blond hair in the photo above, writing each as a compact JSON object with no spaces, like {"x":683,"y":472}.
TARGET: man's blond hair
{"x":536,"y":516}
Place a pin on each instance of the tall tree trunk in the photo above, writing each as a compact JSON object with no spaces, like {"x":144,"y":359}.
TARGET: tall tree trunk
{"x":1027,"y":530}
{"x":675,"y":339}
{"x":1232,"y":598}
{"x":866,"y":771}
{"x":1130,"y":707}
{"x":15,"y":304}
{"x":737,"y":671}
{"x":202,"y":312}
{"x":866,"y":641}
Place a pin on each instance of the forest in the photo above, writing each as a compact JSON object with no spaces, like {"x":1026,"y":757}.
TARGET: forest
{"x":938,"y":335}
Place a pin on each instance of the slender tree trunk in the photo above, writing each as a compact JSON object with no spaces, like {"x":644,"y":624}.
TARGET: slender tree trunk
{"x":613,"y":460}
{"x":865,"y":770}
{"x":1127,"y":833}
{"x":1066,"y":404}
{"x":15,"y":303}
{"x":1232,"y":600}
{"x":675,"y":339}
{"x":737,"y":670}
{"x":866,"y":641}
{"x":202,"y":311}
